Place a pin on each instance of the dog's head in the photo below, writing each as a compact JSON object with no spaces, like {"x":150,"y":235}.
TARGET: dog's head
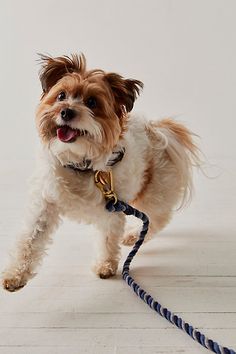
{"x":82,"y":112}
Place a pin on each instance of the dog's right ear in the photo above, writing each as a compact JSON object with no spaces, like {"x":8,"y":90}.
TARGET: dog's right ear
{"x":53,"y":69}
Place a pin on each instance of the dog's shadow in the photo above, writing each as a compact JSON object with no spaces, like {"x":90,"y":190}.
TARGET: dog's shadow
{"x":175,"y":242}
{"x":181,"y":252}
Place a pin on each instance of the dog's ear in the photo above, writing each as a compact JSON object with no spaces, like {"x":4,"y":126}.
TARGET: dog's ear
{"x":53,"y":69}
{"x":125,"y":91}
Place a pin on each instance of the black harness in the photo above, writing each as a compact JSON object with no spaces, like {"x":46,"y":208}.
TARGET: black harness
{"x":87,"y":166}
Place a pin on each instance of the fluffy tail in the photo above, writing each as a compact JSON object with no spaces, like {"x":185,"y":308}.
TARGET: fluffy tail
{"x":178,"y":142}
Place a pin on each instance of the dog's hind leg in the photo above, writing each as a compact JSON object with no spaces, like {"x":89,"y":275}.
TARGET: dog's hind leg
{"x":157,"y":222}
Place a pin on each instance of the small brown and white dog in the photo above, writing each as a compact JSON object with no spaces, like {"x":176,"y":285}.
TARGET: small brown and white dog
{"x":85,"y":125}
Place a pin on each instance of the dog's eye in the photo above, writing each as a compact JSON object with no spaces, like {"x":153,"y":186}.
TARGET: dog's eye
{"x":61,"y":96}
{"x":91,"y":102}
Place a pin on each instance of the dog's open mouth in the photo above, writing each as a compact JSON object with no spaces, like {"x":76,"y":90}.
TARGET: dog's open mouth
{"x":68,"y":135}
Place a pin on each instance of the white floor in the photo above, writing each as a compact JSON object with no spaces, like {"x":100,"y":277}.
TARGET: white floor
{"x":190,"y":268}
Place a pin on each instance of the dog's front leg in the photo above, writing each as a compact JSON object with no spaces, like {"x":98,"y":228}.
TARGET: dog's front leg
{"x":108,"y":242}
{"x":41,"y":220}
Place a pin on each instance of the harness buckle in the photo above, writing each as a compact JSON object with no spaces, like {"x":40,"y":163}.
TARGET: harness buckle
{"x":104,"y":181}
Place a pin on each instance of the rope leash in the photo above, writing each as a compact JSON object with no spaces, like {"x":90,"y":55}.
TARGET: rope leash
{"x":114,"y":205}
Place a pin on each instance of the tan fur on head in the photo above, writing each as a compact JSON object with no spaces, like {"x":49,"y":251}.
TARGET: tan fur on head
{"x":53,"y":69}
{"x":105,"y":123}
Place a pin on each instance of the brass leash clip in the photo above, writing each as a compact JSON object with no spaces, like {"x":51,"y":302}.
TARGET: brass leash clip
{"x":104,"y":181}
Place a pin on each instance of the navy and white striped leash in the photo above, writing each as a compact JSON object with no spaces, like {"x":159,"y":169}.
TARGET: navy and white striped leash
{"x":120,"y":206}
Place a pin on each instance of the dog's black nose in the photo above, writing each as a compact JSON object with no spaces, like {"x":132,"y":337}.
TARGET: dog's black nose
{"x":67,"y":114}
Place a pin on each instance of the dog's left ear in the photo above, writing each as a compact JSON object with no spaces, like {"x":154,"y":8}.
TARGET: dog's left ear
{"x":125,"y":91}
{"x":53,"y":69}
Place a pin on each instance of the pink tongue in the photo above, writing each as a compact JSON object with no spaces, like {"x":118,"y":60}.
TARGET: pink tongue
{"x":66,"y":134}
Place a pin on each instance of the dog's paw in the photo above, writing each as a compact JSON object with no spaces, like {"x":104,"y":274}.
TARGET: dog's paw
{"x":106,"y":269}
{"x":13,"y":284}
{"x":13,"y":281}
{"x":132,"y":236}
{"x":129,"y":239}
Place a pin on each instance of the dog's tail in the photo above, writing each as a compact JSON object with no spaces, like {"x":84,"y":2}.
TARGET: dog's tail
{"x":179,"y":144}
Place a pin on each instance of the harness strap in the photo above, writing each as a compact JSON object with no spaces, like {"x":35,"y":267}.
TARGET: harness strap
{"x":86,"y":165}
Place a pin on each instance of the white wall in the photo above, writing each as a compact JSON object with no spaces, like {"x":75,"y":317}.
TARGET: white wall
{"x":183,"y":50}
